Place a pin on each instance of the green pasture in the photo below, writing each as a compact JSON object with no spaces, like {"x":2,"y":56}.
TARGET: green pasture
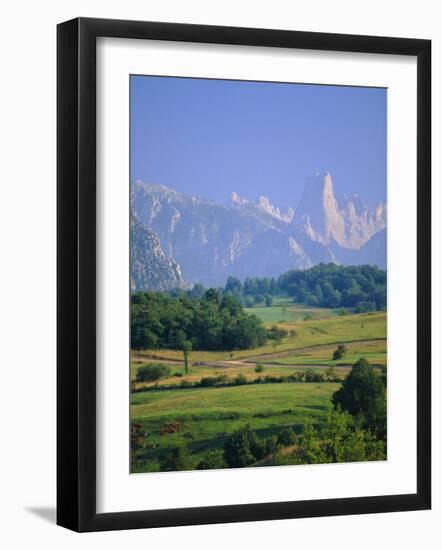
{"x":375,"y":351}
{"x":284,"y":310}
{"x":231,"y":371}
{"x":208,"y":415}
{"x":330,"y":330}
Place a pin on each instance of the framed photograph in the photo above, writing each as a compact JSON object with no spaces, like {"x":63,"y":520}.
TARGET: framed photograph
{"x":243,"y":274}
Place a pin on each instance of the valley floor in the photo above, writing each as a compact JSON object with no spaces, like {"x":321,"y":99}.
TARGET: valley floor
{"x":200,"y":418}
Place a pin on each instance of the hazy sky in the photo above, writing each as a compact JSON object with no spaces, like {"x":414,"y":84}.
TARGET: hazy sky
{"x":212,"y":137}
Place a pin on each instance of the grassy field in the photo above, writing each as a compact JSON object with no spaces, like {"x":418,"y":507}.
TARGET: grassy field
{"x":375,"y":351}
{"x":204,"y":417}
{"x":330,"y":330}
{"x":231,"y":371}
{"x":283,"y":309}
{"x":207,"y":415}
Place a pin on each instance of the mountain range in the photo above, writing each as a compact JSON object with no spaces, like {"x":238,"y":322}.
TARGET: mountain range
{"x":179,"y":240}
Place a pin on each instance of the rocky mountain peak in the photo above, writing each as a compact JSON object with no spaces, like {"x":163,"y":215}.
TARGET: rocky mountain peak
{"x":183,"y":239}
{"x":236,"y":200}
{"x":150,"y":268}
{"x":266,"y":206}
{"x":324,"y":220}
{"x":318,"y":212}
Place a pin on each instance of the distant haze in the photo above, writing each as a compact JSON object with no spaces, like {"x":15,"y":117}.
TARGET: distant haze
{"x":212,"y":137}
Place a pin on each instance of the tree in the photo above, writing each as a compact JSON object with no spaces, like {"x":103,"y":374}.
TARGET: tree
{"x":335,"y":430}
{"x":233,"y":285}
{"x":310,"y":451}
{"x":197,"y":291}
{"x":339,"y":352}
{"x":365,"y":307}
{"x":239,"y":447}
{"x":287,"y":437}
{"x":212,"y":460}
{"x":363,"y":395}
{"x":312,"y":300}
{"x":276,"y":334}
{"x":268,"y":300}
{"x":271,"y":445}
{"x":187,"y":348}
{"x":176,"y":459}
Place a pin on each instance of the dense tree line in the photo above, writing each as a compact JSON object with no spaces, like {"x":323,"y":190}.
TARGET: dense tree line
{"x":362,"y":287}
{"x":331,"y":285}
{"x":214,"y":321}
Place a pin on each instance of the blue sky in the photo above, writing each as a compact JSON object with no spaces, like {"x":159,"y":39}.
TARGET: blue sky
{"x":211,"y":137}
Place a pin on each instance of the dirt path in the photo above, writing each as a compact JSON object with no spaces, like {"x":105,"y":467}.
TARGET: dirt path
{"x":301,"y":351}
{"x":150,"y":359}
{"x":251,"y":360}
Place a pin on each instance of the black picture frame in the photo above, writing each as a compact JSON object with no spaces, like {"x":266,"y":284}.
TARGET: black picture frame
{"x":76,"y":274}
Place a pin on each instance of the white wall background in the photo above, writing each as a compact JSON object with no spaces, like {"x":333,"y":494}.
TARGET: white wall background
{"x":27,"y":289}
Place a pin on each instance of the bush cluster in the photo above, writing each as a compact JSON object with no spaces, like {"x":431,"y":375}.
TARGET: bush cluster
{"x":243,"y":447}
{"x":308,"y":376}
{"x":152,"y":372}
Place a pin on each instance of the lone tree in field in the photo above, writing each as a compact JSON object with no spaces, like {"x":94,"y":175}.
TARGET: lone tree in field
{"x":187,"y":348}
{"x":363,"y":395}
{"x":339,"y":352}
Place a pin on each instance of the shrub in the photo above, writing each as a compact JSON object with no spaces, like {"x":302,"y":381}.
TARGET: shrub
{"x":271,"y":445}
{"x":276,"y":334}
{"x":259,"y":368}
{"x":339,"y":352}
{"x":212,"y":460}
{"x":152,"y":373}
{"x":287,"y":437}
{"x":174,"y":460}
{"x":208,"y":381}
{"x":365,"y":307}
{"x":331,"y":374}
{"x":272,"y":379}
{"x":238,"y":448}
{"x":310,"y":451}
{"x":240,"y":380}
{"x":312,"y":376}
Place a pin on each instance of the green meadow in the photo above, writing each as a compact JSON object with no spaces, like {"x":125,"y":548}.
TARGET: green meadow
{"x":204,"y":417}
{"x":200,"y":419}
